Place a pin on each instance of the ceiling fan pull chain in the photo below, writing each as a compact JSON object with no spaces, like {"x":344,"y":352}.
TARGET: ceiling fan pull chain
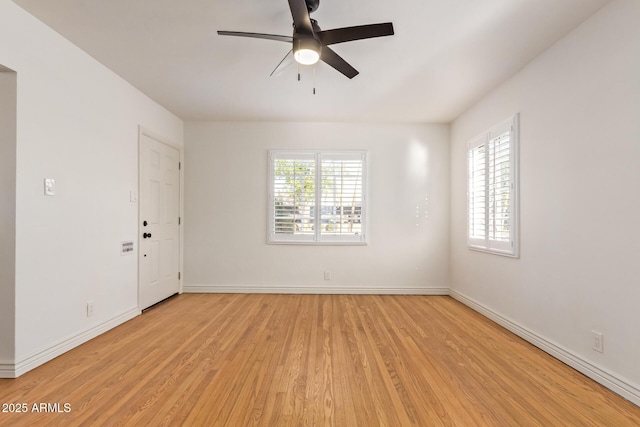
{"x":314,"y":80}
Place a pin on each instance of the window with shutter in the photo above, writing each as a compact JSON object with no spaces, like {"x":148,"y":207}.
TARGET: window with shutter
{"x":317,"y":197}
{"x":492,"y":204}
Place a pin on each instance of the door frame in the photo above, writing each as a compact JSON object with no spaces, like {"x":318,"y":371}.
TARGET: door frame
{"x":142,"y":131}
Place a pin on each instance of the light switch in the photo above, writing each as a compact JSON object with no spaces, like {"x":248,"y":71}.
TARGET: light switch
{"x":49,"y":187}
{"x":133,"y":196}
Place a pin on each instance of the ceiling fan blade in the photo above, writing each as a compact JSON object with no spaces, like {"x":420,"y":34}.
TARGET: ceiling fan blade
{"x":257,"y":36}
{"x":333,"y":59}
{"x":282,"y":65}
{"x":347,"y":34}
{"x":300,"y":14}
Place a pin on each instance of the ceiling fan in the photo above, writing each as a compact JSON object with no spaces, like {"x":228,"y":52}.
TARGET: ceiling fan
{"x":311,"y":44}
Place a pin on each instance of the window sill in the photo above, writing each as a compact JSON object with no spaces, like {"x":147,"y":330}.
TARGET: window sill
{"x":494,"y":252}
{"x":318,"y":243}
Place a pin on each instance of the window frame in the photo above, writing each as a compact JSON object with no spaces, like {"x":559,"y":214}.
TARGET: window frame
{"x":511,"y":247}
{"x":317,"y":238}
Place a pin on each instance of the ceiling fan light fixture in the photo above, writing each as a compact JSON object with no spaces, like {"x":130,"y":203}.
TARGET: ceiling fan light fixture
{"x":306,"y":56}
{"x":306,"y":51}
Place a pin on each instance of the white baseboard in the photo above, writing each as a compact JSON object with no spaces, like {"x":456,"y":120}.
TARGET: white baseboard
{"x":7,"y":369}
{"x":614,"y":383}
{"x":14,"y":370}
{"x":242,"y":289}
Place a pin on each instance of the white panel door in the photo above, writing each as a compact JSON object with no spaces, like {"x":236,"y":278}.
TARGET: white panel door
{"x":159,"y":197}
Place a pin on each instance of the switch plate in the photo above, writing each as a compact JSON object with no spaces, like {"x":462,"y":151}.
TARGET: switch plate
{"x":133,"y":196}
{"x":327,"y":275}
{"x":49,"y":187}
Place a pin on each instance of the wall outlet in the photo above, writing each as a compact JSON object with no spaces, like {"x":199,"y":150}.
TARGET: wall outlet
{"x":327,"y":275}
{"x":598,"y":341}
{"x":49,"y":187}
{"x":90,"y":306}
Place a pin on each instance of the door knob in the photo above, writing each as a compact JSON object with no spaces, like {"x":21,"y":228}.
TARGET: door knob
{"x":146,"y":235}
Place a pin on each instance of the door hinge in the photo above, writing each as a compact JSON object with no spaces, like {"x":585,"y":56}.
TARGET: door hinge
{"x":179,"y":165}
{"x":178,"y":275}
{"x":179,"y":220}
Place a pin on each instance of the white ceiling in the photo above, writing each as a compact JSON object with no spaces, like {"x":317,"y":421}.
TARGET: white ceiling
{"x":444,"y":56}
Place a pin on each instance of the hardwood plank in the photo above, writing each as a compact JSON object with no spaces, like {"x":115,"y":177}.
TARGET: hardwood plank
{"x":312,"y":360}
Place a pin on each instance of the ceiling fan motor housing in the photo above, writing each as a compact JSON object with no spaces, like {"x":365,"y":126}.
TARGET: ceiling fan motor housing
{"x":312,"y":5}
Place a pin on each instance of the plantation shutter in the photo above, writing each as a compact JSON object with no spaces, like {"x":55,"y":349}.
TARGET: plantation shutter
{"x":492,"y":207}
{"x":317,"y":197}
{"x":499,"y":188}
{"x":293,"y":196}
{"x":342,"y":196}
{"x":477,"y":162}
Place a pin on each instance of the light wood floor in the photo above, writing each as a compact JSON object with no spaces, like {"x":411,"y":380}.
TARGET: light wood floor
{"x":312,"y":360}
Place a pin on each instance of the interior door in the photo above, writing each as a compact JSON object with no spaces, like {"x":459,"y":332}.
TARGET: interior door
{"x":159,"y":198}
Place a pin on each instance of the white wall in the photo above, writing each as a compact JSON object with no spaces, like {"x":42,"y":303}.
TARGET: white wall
{"x":226,"y":210}
{"x":579,"y":106}
{"x":77,"y":123}
{"x":7,"y":212}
